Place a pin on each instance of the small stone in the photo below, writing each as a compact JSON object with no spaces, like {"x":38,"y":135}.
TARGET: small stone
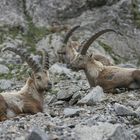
{"x":75,"y":98}
{"x":64,"y":95}
{"x":59,"y":103}
{"x":94,"y":96}
{"x":71,"y":112}
{"x":122,"y":110}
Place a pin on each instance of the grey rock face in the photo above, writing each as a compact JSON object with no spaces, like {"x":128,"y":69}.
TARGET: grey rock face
{"x":94,"y":96}
{"x":123,"y":110}
{"x":11,"y":13}
{"x":103,"y":131}
{"x":54,"y":10}
{"x":4,"y":69}
{"x":57,"y":11}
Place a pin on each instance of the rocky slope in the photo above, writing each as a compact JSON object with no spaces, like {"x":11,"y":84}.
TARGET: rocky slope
{"x":71,"y":109}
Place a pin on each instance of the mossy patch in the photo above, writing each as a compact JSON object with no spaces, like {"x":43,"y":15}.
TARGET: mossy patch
{"x":136,"y":12}
{"x":117,"y":58}
{"x":106,"y":47}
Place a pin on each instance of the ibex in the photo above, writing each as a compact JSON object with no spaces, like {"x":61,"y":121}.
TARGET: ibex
{"x":29,"y":99}
{"x":66,"y":54}
{"x":108,"y":77}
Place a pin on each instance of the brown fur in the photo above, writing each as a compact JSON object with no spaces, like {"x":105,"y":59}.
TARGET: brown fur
{"x":30,"y":96}
{"x":3,"y":107}
{"x":108,"y":77}
{"x":66,"y":54}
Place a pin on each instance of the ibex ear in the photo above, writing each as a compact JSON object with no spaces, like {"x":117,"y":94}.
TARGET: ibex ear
{"x":75,"y":53}
{"x":91,"y":56}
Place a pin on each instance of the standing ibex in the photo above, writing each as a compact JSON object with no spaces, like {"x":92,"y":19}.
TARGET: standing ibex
{"x":108,"y":77}
{"x":30,"y":98}
{"x":66,"y":54}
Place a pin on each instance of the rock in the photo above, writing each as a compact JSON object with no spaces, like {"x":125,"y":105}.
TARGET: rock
{"x":3,"y":69}
{"x":71,"y":112}
{"x":59,"y":103}
{"x":37,"y":134}
{"x":64,"y":95}
{"x":136,"y":131}
{"x":102,"y":131}
{"x":59,"y":69}
{"x":67,"y":93}
{"x":94,"y":96}
{"x":5,"y":84}
{"x":52,"y":99}
{"x":11,"y":13}
{"x":75,"y":98}
{"x":54,"y":10}
{"x":122,"y":110}
{"x":137,"y":111}
{"x":52,"y":41}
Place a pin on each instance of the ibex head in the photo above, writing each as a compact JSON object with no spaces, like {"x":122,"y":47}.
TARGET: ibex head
{"x":64,"y":53}
{"x":79,"y":59}
{"x":39,"y":75}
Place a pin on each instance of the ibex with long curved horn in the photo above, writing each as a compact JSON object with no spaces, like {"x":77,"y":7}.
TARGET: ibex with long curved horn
{"x":30,"y":98}
{"x":66,"y":54}
{"x":108,"y":77}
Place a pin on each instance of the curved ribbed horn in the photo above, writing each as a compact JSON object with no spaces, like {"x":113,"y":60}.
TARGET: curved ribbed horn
{"x":26,"y":57}
{"x":45,"y":59}
{"x":70,"y":33}
{"x":93,"y":38}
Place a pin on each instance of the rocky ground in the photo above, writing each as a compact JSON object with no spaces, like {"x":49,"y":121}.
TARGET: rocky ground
{"x":72,"y":111}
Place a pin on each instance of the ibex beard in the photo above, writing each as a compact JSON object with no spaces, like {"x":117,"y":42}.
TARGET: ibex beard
{"x":28,"y":100}
{"x":108,"y":77}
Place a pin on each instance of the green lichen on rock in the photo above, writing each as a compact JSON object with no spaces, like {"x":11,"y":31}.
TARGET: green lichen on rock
{"x":106,"y":47}
{"x":136,"y":12}
{"x":110,"y":51}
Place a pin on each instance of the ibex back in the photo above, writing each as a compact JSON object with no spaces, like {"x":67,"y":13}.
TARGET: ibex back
{"x":108,"y":77}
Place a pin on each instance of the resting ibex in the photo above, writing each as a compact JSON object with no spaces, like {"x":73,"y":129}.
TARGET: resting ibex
{"x":30,"y":98}
{"x":66,"y":54}
{"x":108,"y":77}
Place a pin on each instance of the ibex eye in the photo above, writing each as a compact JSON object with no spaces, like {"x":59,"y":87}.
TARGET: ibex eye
{"x":38,"y":77}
